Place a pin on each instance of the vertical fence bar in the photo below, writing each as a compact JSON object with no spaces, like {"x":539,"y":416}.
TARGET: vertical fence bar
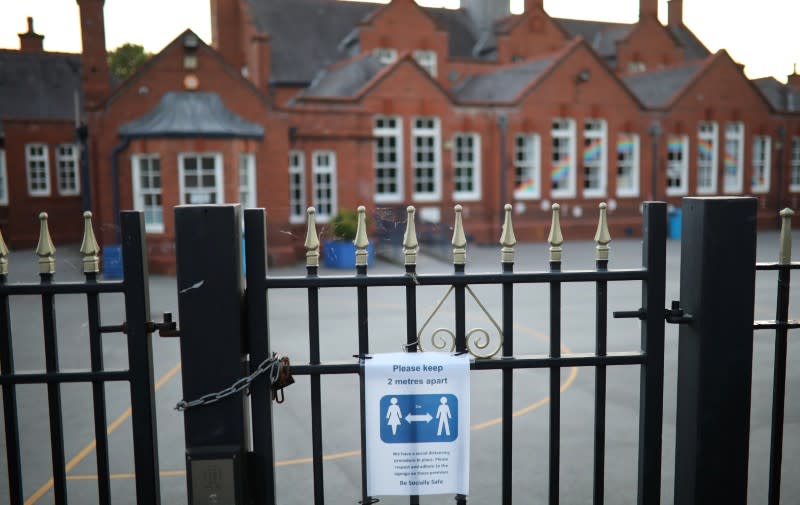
{"x":779,"y":370}
{"x":262,"y":460}
{"x":715,"y":354}
{"x":459,"y":262}
{"x":140,"y":357}
{"x":91,"y":267}
{"x":508,"y":240}
{"x":555,"y":239}
{"x":47,"y":267}
{"x":9,"y":390}
{"x":208,"y":241}
{"x":410,"y":248}
{"x":602,"y":237}
{"x":651,"y":388}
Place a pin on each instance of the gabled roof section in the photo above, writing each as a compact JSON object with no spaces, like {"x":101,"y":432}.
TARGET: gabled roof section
{"x":462,"y":35}
{"x":657,"y":89}
{"x":781,"y":96}
{"x":601,"y":36}
{"x":191,"y":114}
{"x":505,"y":84}
{"x":693,"y":49}
{"x":346,"y":79}
{"x":39,"y":84}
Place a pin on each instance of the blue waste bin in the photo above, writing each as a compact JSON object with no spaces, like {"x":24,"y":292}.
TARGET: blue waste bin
{"x":112,"y":261}
{"x":674,"y":219}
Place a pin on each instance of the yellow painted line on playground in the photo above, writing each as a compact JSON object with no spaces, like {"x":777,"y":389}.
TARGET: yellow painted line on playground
{"x":35,"y":497}
{"x":116,"y":423}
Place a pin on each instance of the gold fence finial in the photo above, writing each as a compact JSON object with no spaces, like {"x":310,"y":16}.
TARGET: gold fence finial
{"x":459,"y":239}
{"x":410,"y":244}
{"x":602,"y":237}
{"x":3,"y":256}
{"x":45,"y":249}
{"x":89,"y":247}
{"x":785,"y":254}
{"x":555,"y":238}
{"x":361,"y":241}
{"x":507,"y":238}
{"x":312,"y":240}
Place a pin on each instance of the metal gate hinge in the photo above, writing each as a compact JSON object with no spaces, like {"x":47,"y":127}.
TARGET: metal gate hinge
{"x":676,"y":315}
{"x":167,"y":328}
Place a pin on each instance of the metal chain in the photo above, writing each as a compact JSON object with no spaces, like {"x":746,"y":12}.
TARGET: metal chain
{"x":271,"y":364}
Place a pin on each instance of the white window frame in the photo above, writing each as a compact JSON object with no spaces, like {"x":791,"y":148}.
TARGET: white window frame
{"x":385,"y":55}
{"x":247,"y":167}
{"x":433,"y":133}
{"x":734,"y":133}
{"x":681,"y":165}
{"x":386,"y":132}
{"x":426,"y":59}
{"x":707,"y":137}
{"x":563,"y":129}
{"x":527,"y":166}
{"x":318,"y":169}
{"x":794,"y":165}
{"x":473,"y":164}
{"x":139,"y":192}
{"x":66,"y":162}
{"x":632,"y":164}
{"x":218,"y":190}
{"x":3,"y":178}
{"x":30,"y":159}
{"x":595,"y":135}
{"x":297,"y":169}
{"x":762,"y":144}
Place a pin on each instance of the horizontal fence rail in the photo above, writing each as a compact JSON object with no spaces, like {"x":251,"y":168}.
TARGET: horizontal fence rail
{"x":139,"y":374}
{"x":488,"y":354}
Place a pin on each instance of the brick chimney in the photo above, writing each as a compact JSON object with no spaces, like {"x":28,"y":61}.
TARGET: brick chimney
{"x":648,"y":8}
{"x":261,"y":60}
{"x":30,"y":41}
{"x":485,"y":12}
{"x":227,"y":27}
{"x":94,"y":59}
{"x":675,"y":13}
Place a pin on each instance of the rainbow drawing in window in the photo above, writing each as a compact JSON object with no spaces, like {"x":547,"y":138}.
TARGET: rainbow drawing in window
{"x":731,"y":160}
{"x":625,"y":145}
{"x":593,"y":151}
{"x":705,"y":148}
{"x":675,"y":144}
{"x":527,"y":186}
{"x":560,"y":172}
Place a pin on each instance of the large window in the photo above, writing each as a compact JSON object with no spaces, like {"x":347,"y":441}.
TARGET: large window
{"x":426,"y":60}
{"x":628,"y":164}
{"x":3,"y":179}
{"x":527,"y":166}
{"x":677,"y":164}
{"x":247,"y":180}
{"x":594,"y":158}
{"x":734,"y":157}
{"x":794,"y":184}
{"x":562,"y":171}
{"x":67,"y":169}
{"x":201,"y":178}
{"x":146,"y":175}
{"x":707,"y":157}
{"x":761,"y":163}
{"x":38,"y":169}
{"x":388,"y":159}
{"x":467,"y":166}
{"x":297,"y":187}
{"x":324,"y":178}
{"x":426,"y":156}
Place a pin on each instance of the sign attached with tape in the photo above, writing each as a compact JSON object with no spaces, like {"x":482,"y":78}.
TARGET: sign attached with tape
{"x":417,"y":423}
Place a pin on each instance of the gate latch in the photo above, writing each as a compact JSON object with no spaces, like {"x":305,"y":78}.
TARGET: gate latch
{"x":676,"y":315}
{"x":284,"y":379}
{"x":167,"y":328}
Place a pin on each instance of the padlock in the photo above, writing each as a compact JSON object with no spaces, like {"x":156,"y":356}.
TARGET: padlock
{"x":284,"y":379}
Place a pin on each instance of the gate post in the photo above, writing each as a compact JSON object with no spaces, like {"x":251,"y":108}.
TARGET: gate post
{"x":208,"y":247}
{"x":715,"y":355}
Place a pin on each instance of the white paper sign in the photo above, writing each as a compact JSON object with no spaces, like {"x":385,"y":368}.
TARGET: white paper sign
{"x":417,"y":423}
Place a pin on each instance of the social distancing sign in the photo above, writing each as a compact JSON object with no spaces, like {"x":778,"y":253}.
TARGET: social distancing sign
{"x":417,"y":423}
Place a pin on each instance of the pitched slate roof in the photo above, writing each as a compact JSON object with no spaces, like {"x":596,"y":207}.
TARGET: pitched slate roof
{"x":502,"y":85}
{"x":656,"y":88}
{"x":781,"y":96}
{"x":344,"y":80}
{"x":600,"y":35}
{"x":191,"y":114}
{"x":307,"y":35}
{"x":39,"y":85}
{"x":693,"y":49}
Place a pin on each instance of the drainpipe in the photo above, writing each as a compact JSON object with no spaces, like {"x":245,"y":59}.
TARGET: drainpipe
{"x":123,"y":144}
